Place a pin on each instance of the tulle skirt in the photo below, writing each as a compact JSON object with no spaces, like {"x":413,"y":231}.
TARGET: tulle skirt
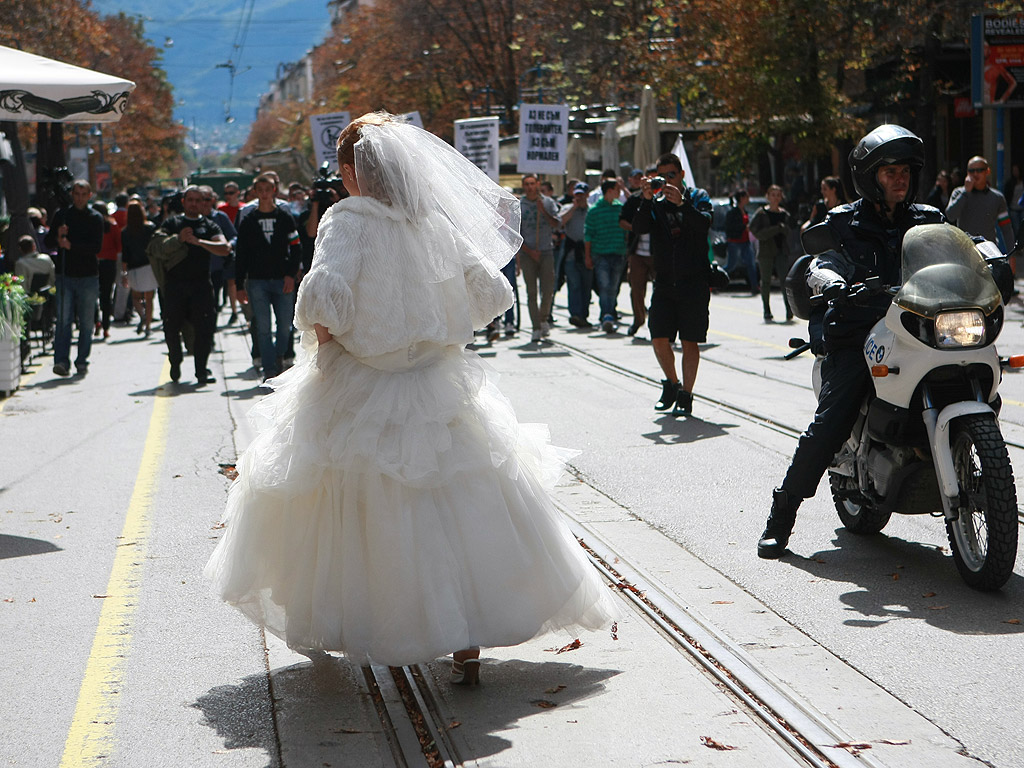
{"x":397,"y":516}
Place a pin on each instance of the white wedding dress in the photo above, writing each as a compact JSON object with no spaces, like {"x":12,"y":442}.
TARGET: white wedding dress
{"x":392,"y":507}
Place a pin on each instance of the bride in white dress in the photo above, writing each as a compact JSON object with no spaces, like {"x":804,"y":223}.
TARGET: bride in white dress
{"x":391,"y":507}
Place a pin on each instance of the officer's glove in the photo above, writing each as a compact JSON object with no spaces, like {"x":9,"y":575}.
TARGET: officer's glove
{"x":836,"y":293}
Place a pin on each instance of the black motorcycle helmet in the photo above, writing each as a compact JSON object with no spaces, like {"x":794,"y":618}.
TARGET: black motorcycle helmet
{"x":886,"y":145}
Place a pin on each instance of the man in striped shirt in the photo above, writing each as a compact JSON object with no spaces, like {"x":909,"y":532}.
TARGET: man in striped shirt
{"x":605,"y":250}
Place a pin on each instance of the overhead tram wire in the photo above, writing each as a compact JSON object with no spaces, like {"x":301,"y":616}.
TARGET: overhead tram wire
{"x":241,"y":33}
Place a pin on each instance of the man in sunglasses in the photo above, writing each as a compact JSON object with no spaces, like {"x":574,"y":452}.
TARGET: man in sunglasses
{"x":978,"y":209}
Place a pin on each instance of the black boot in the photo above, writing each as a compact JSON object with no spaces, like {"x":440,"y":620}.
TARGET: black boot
{"x":668,"y":395}
{"x":772,"y":544}
{"x":684,"y":403}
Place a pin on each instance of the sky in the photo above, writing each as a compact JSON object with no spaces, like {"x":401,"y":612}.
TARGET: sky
{"x":198,"y":35}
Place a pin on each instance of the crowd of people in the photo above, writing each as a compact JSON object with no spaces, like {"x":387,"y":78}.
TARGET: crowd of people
{"x":181,"y":260}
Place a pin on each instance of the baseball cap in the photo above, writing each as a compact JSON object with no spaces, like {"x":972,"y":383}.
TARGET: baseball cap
{"x":580,"y":188}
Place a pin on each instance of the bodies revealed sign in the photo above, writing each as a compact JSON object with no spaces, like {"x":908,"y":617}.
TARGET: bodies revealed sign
{"x":477,"y":139}
{"x":543,"y":137}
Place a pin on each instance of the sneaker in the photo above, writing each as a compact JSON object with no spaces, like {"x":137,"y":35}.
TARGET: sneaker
{"x":81,"y":368}
{"x":61,"y":369}
{"x":206,"y":378}
{"x":510,"y":329}
{"x":175,"y":372}
{"x":536,"y":335}
{"x":545,"y":329}
{"x":608,"y":324}
{"x":576,"y":320}
{"x":493,"y":334}
{"x":768,"y":317}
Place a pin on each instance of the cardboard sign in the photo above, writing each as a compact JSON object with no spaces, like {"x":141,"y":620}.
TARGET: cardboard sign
{"x":326,"y":128}
{"x":411,"y":118}
{"x":543,"y":138}
{"x":477,"y":140}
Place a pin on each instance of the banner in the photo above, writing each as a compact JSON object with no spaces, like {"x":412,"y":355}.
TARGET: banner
{"x":543,"y":138}
{"x":477,"y":139}
{"x":326,"y":128}
{"x":997,"y":60}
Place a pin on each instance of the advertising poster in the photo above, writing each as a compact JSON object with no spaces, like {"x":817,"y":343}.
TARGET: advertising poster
{"x":477,"y":139}
{"x":997,"y":60}
{"x":543,"y":138}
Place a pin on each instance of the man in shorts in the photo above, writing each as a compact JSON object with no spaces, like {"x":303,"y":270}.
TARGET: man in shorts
{"x":678,"y":219}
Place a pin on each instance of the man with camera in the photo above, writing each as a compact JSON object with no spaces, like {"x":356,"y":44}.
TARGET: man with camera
{"x":677,"y":218}
{"x":77,"y":236}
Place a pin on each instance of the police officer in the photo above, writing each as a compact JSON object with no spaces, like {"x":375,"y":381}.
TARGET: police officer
{"x":856,"y":241}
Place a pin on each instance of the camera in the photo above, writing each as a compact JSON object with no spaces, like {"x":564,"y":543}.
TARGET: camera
{"x":657,"y":184}
{"x":57,"y":182}
{"x":326,"y":180}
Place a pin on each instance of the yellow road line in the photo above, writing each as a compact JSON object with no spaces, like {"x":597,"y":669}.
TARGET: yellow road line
{"x":91,"y":737}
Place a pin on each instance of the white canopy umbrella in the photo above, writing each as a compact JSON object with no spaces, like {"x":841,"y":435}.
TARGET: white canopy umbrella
{"x":36,"y":89}
{"x":610,"y":146}
{"x":647,"y":147}
{"x":576,"y":161}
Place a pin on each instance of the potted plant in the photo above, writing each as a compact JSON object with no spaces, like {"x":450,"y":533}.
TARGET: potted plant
{"x":14,"y":313}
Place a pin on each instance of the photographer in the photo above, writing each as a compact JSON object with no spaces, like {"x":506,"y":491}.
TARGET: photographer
{"x":678,"y":222}
{"x":327,"y":190}
{"x":77,"y":236}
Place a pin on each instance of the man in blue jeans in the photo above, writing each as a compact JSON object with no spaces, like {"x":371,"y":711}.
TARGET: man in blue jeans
{"x":605,"y":250}
{"x":268,"y":256}
{"x":77,"y":236}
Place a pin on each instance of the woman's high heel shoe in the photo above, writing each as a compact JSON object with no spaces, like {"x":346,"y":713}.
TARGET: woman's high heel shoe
{"x":466,"y":672}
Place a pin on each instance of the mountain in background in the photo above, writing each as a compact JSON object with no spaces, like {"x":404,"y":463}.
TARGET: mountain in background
{"x":200,"y":37}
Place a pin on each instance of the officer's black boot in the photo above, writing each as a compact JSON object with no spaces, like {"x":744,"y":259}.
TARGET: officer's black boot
{"x":772,"y":544}
{"x":668,"y":395}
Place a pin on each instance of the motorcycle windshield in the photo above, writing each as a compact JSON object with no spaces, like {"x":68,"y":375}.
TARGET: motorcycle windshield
{"x":943,"y":270}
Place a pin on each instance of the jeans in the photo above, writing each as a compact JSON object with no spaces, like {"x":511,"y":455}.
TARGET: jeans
{"x":579,"y":280}
{"x":264,"y":294}
{"x":742,"y":254}
{"x":509,"y":271}
{"x":76,"y":300}
{"x":542,"y":272}
{"x":108,"y":277}
{"x":608,"y":275}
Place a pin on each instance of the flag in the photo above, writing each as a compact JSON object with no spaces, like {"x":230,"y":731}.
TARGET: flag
{"x":680,"y":151}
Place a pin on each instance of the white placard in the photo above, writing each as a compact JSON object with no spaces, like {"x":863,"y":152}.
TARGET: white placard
{"x":477,"y":139}
{"x":326,"y":129}
{"x":543,"y":137}
{"x":411,"y":118}
{"x":78,"y":162}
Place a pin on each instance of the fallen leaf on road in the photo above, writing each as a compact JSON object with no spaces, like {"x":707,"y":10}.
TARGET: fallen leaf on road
{"x":937,"y":607}
{"x":853,"y":748}
{"x":345,"y":730}
{"x":721,"y":602}
{"x":32,"y":600}
{"x":1012,"y":621}
{"x":615,"y":630}
{"x":8,"y":599}
{"x":895,"y":577}
{"x":229,"y":471}
{"x":556,"y":689}
{"x":217,"y":527}
{"x":544,"y":703}
{"x":819,"y":560}
{"x":928,"y":594}
{"x":570,"y":647}
{"x":710,"y":743}
{"x":454,"y":724}
{"x":892,"y":743}
{"x":101,"y":595}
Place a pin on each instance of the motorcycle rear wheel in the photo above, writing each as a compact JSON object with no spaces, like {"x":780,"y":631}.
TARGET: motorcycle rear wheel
{"x":862,"y":519}
{"x":984,"y":537}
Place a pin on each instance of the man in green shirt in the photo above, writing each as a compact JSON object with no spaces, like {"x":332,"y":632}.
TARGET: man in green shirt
{"x":605,"y":250}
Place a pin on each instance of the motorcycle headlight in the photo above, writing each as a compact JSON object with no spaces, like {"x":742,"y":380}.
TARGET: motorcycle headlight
{"x":964,"y":328}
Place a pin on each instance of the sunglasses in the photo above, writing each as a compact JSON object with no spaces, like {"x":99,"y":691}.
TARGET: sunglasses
{"x":976,"y":170}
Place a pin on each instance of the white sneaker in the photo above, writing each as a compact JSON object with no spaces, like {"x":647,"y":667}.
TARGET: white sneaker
{"x":545,"y":329}
{"x":510,"y":329}
{"x":536,"y":336}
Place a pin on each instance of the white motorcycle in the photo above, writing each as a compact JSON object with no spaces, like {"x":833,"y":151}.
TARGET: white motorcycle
{"x":927,"y":440}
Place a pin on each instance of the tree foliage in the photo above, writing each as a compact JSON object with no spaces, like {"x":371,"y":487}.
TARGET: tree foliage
{"x":808,"y":76}
{"x":70,"y":30}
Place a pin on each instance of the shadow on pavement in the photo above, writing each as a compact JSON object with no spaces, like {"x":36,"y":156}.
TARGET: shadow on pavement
{"x":900,"y":579}
{"x":20,"y":546}
{"x":241,"y":716}
{"x":685,"y":429}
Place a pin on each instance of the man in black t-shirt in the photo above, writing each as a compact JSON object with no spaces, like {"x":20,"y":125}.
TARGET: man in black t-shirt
{"x":187,"y":291}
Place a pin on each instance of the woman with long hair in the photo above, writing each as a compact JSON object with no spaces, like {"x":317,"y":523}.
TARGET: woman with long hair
{"x":137,"y":271}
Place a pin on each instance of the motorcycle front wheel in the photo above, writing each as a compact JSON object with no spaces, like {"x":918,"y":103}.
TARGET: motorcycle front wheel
{"x":984,"y":535}
{"x":859,"y":518}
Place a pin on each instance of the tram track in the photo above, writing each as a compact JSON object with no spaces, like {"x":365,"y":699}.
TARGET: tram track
{"x":754,"y":417}
{"x":419,"y":727}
